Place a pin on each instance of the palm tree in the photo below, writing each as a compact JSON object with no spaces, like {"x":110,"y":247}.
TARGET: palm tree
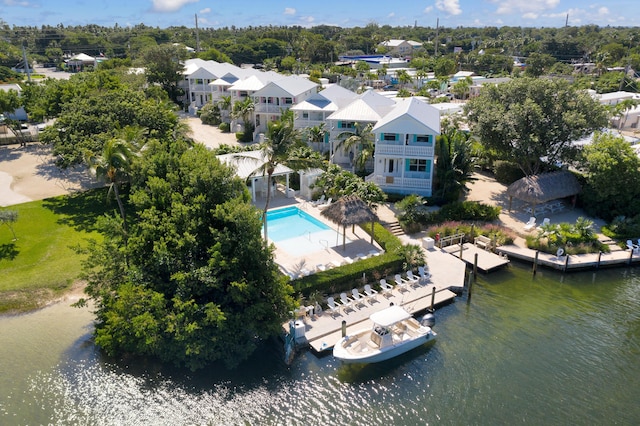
{"x":454,"y":167}
{"x":363,"y":142}
{"x":316,"y":134}
{"x":403,"y":78}
{"x":243,"y":110}
{"x":113,"y":166}
{"x":224,"y":103}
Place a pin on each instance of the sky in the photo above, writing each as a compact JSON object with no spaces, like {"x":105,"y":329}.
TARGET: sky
{"x":308,"y":13}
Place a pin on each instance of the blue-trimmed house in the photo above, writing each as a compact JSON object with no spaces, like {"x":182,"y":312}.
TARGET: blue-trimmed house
{"x":405,"y":148}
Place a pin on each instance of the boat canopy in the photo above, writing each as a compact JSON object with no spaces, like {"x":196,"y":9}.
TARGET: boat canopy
{"x":389,"y":316}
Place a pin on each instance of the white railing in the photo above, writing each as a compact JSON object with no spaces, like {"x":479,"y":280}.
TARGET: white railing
{"x":407,"y":151}
{"x":400,"y":182}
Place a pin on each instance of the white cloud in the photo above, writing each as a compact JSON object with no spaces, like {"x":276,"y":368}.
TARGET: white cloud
{"x":289,"y":11}
{"x":452,"y":7}
{"x":428,"y":9}
{"x":530,"y":15}
{"x":603,"y":11}
{"x":524,"y":6}
{"x":205,"y":11}
{"x":170,"y":5}
{"x":391,"y":15}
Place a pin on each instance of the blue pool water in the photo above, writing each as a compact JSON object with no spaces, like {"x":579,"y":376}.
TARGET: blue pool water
{"x":291,"y":222}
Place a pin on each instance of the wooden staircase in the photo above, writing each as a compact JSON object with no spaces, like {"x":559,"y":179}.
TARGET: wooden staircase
{"x":395,"y":228}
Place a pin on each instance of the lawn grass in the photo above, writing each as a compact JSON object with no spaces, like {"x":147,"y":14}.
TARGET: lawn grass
{"x":41,"y":263}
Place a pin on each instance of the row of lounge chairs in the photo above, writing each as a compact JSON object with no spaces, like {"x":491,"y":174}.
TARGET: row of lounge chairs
{"x":356,"y":298}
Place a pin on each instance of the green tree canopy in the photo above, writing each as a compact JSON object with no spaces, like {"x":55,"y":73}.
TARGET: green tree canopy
{"x":612,"y":170}
{"x":529,"y":121}
{"x":201,"y":286}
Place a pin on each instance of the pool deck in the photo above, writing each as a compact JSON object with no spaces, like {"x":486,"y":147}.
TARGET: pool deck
{"x":334,"y":254}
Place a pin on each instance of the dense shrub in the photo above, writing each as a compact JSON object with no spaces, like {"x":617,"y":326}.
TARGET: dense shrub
{"x":506,"y":172}
{"x":466,"y":210}
{"x":224,"y":127}
{"x":343,"y":278}
{"x":499,"y":234}
{"x":578,"y":238}
{"x":623,"y":228}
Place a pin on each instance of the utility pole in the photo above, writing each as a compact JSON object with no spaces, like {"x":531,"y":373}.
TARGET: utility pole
{"x":26,"y":64}
{"x":437,"y":28}
{"x":197,"y":36}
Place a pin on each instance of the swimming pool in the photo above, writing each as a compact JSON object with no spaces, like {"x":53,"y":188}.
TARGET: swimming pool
{"x":297,"y":232}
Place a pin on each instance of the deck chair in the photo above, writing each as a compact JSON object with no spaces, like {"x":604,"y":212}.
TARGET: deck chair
{"x":370,"y":293}
{"x":633,"y":247}
{"x":319,"y":200}
{"x":530,"y":224}
{"x":346,"y":302}
{"x":385,"y":287}
{"x":358,"y":298}
{"x":401,"y":283}
{"x":425,"y":275}
{"x":545,"y":221}
{"x":413,"y":280}
{"x":325,"y":204}
{"x":333,"y":307}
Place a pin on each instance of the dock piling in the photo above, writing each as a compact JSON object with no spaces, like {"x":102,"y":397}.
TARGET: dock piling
{"x":475,"y":265}
{"x":344,"y":328}
{"x":535,"y":262}
{"x":566,"y":262}
{"x":599,"y":256}
{"x":433,"y":298}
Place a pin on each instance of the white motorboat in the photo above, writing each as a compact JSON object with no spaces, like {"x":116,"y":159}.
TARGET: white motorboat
{"x":394,"y":332}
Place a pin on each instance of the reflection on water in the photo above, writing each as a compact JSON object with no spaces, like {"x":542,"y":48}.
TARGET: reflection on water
{"x":553,"y":349}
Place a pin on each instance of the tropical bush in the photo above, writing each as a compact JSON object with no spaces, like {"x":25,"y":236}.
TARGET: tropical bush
{"x":499,"y":234}
{"x":224,"y":127}
{"x":623,"y":228}
{"x":577,"y":238}
{"x":466,"y":210}
{"x":507,"y":172}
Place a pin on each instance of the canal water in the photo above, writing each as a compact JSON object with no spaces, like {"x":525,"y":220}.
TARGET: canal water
{"x":551,"y":349}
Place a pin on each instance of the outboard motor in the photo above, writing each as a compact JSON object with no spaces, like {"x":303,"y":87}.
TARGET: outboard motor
{"x":429,"y":319}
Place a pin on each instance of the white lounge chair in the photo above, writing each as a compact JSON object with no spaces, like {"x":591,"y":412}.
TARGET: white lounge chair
{"x":346,"y":302}
{"x":633,"y":247}
{"x":413,"y":280}
{"x":530,"y":224}
{"x":425,"y":275}
{"x":333,"y":307}
{"x":401,"y":283}
{"x":325,"y":204}
{"x":319,"y":200}
{"x":358,"y":298}
{"x":371,"y":293}
{"x":545,"y":221}
{"x":385,"y":287}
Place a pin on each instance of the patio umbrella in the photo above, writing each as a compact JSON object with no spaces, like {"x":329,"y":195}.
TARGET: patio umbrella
{"x":538,"y":189}
{"x":349,"y":210}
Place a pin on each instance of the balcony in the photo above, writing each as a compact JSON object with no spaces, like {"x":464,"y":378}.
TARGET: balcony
{"x":270,"y":108}
{"x":403,"y":151}
{"x":402,"y":184}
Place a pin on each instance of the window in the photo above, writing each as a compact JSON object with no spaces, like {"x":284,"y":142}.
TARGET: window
{"x":388,"y":136}
{"x":347,"y":124}
{"x":288,"y":101}
{"x":417,"y":165}
{"x":424,"y":138}
{"x":305,"y":115}
{"x":198,"y":81}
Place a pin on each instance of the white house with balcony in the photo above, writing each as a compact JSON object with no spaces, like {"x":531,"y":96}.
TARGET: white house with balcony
{"x":315,"y":110}
{"x":277,"y":96}
{"x":405,"y":148}
{"x":367,"y":108}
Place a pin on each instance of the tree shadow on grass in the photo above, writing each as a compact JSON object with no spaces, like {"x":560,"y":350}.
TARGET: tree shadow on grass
{"x":8,"y":251}
{"x":81,"y":210}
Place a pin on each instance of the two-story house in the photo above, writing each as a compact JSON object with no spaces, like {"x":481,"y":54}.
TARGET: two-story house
{"x":277,"y":96}
{"x":314,"y":111}
{"x":367,"y":109}
{"x":405,"y":148}
{"x":401,"y":47}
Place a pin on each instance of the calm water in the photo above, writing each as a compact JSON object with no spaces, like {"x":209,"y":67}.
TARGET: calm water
{"x":554,"y":349}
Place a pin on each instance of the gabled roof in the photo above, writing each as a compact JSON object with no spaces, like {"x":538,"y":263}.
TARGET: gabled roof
{"x":330,"y":99}
{"x":248,"y":163}
{"x":249,"y":84}
{"x":82,"y":57}
{"x":412,"y":116}
{"x":291,"y":85}
{"x":359,"y":110}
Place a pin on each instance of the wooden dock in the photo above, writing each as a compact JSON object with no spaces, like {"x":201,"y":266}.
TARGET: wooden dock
{"x":572,"y":262}
{"x":323,"y":331}
{"x":487,"y":260}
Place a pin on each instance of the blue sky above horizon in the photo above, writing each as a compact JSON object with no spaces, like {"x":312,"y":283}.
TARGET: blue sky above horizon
{"x":354,"y":13}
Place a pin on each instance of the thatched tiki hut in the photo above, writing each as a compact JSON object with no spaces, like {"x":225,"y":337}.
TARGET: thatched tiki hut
{"x":349,"y":210}
{"x":539,"y":189}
